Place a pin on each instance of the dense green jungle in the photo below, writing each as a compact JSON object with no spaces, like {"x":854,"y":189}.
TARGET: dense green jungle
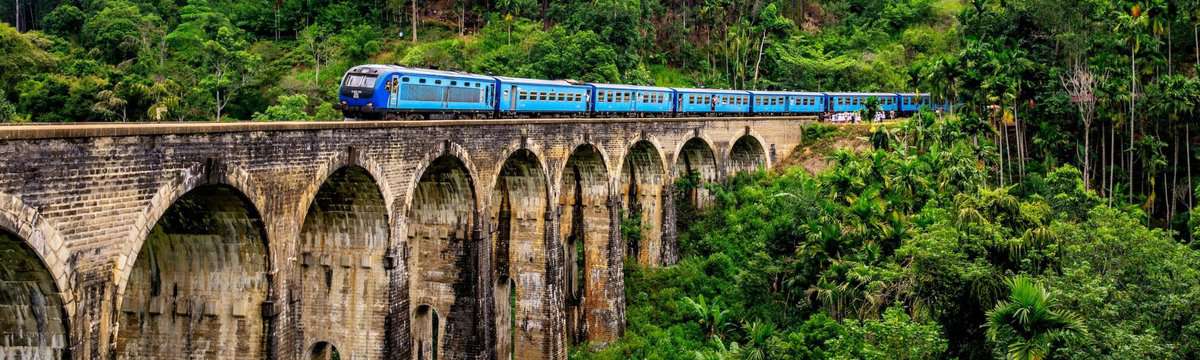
{"x":1047,"y":217}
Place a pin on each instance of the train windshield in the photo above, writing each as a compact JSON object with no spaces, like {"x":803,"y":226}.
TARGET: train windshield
{"x":363,"y":81}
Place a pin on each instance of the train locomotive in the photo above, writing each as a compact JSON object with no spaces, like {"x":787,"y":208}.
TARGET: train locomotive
{"x":392,"y":92}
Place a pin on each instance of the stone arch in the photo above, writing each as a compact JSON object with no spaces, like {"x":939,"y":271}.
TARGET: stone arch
{"x":445,"y":250}
{"x":519,"y":214}
{"x":41,"y":237}
{"x":210,"y":172}
{"x":560,"y":169}
{"x":428,"y":333}
{"x":585,"y":219}
{"x":198,"y":283}
{"x":34,"y":322}
{"x":642,"y":181}
{"x":351,"y":157}
{"x":696,"y":155}
{"x":325,"y":351}
{"x":443,"y":149}
{"x":538,"y":154}
{"x":747,"y":152}
{"x":343,"y":274}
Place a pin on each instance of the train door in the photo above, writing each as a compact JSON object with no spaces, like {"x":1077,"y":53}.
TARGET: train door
{"x":512,"y":98}
{"x":393,"y":88}
{"x":637,"y":98}
{"x":445,"y":94}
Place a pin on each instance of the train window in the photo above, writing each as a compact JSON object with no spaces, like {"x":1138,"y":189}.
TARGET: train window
{"x":562,"y":97}
{"x":628,"y":97}
{"x":421,"y":81}
{"x":438,"y":82}
{"x":453,"y":83}
{"x":404,"y":79}
{"x":522,"y":96}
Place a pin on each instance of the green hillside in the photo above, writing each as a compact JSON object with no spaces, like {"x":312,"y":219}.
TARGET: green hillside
{"x":138,"y":60}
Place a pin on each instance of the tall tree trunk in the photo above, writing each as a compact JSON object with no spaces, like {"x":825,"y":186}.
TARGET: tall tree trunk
{"x":1174,"y":175}
{"x":414,"y":21}
{"x":1087,"y":151}
{"x":1107,"y":161}
{"x":1170,"y":66}
{"x":1112,"y":160}
{"x":762,"y":41}
{"x":1000,"y":146}
{"x":1132,"y":107}
{"x":1187,"y":155}
{"x":462,"y":20}
{"x":17,"y":15}
{"x":545,"y":19}
{"x":1103,"y":165}
{"x":1020,"y":140}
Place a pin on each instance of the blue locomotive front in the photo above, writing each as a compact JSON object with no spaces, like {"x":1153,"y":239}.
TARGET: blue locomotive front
{"x":393,"y":92}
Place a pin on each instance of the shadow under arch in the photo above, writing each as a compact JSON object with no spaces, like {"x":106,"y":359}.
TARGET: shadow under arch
{"x":445,"y":254}
{"x":519,"y":213}
{"x":35,"y":324}
{"x":642,"y":182}
{"x":344,"y":273}
{"x":697,"y":163}
{"x":324,"y":351}
{"x":746,"y":154}
{"x":428,"y":329}
{"x":586,"y":220}
{"x":199,"y":281}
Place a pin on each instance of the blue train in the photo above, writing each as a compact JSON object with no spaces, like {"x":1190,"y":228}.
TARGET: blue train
{"x":396,"y":92}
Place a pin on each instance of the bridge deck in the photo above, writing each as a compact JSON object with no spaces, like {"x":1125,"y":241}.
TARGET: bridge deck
{"x":82,"y":130}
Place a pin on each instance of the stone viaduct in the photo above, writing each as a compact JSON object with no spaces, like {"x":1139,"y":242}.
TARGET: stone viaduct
{"x":482,"y":239}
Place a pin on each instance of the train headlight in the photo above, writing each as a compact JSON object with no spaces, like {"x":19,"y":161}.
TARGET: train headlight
{"x":370,"y":106}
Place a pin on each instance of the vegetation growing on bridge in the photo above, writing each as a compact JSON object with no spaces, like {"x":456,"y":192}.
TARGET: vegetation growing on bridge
{"x":915,"y":252}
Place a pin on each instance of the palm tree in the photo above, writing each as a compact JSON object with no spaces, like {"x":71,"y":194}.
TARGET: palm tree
{"x":1029,"y":324}
{"x":712,"y":317}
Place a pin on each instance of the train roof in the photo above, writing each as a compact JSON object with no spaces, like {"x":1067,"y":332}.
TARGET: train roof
{"x":379,"y":68}
{"x":792,"y":93}
{"x":859,"y":94}
{"x":563,"y":83}
{"x":715,"y":91}
{"x":629,"y":87}
{"x":913,"y":94}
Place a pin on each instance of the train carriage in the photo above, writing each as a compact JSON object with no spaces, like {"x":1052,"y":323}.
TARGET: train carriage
{"x":854,"y":101}
{"x":388,"y":91}
{"x":806,"y":103}
{"x":912,"y":102}
{"x":541,"y":97}
{"x":618,"y":99}
{"x":769,"y":102}
{"x":711,"y":101}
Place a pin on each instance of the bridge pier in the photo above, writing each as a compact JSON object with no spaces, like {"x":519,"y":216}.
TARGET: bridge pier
{"x":468,"y":239}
